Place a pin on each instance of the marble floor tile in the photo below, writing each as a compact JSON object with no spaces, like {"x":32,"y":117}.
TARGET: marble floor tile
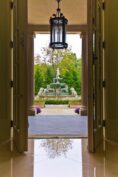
{"x":59,"y":158}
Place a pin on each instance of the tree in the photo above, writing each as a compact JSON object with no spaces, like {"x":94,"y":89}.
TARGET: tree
{"x":48,"y":74}
{"x":70,"y":68}
{"x":37,"y":78}
{"x":66,"y":61}
{"x":53,"y":57}
{"x":37,"y":59}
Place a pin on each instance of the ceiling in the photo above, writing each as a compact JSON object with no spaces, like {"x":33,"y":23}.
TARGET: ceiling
{"x":40,"y":11}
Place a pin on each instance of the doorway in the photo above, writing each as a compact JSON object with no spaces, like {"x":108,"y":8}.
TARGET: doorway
{"x":58,"y":108}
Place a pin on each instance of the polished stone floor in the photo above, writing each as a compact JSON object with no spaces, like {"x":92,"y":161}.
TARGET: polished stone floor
{"x":59,"y":158}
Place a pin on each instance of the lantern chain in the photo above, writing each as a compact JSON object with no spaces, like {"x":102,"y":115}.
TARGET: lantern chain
{"x":58,"y":9}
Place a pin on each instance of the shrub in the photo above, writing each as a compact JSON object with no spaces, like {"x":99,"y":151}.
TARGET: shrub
{"x":72,"y":102}
{"x":56,"y":102}
{"x":39,"y":101}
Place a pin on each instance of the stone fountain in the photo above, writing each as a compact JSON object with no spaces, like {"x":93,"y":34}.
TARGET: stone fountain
{"x":56,"y":89}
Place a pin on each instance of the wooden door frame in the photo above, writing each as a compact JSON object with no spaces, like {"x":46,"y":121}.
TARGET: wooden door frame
{"x":90,"y":78}
{"x":94,"y":138}
{"x":20,"y":121}
{"x":5,"y":72}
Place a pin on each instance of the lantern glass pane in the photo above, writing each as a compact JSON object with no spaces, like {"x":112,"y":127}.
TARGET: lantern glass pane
{"x":53,"y":34}
{"x":58,"y":33}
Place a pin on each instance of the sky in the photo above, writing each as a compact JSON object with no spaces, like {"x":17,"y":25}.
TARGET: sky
{"x":42,"y":40}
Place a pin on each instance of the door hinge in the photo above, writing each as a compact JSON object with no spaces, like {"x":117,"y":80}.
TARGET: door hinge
{"x":11,"y":84}
{"x":93,"y":20}
{"x":12,"y":123}
{"x":94,"y":58}
{"x":104,"y":83}
{"x":11,"y":44}
{"x":11,"y":5}
{"x":93,"y":96}
{"x":103,"y":5}
{"x":104,"y":123}
{"x":103,"y":44}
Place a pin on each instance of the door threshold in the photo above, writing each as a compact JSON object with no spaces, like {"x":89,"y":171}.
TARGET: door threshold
{"x":56,"y":137}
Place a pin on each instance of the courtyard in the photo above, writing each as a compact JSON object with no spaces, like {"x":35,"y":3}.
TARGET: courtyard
{"x":58,"y":121}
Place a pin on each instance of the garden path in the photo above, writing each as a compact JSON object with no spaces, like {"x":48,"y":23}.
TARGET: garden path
{"x":57,"y":121}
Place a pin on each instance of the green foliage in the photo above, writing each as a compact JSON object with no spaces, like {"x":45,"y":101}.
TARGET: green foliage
{"x":70,"y":102}
{"x":70,"y":69}
{"x":39,"y":101}
{"x":73,"y":102}
{"x":48,"y":74}
{"x":56,"y":102}
{"x":43,"y":75}
{"x":37,"y":78}
{"x":66,"y":61}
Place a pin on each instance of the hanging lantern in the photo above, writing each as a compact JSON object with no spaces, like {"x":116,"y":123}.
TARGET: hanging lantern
{"x":58,"y":25}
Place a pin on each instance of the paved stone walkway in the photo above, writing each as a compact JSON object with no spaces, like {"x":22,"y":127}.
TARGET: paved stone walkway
{"x":57,"y":110}
{"x":57,"y":121}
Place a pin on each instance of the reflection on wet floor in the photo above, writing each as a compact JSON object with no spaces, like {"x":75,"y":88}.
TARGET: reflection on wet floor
{"x":56,"y":147}
{"x":59,"y":158}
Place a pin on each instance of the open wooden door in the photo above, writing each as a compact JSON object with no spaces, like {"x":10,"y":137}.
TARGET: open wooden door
{"x":111,"y":72}
{"x":95,"y":74}
{"x":20,"y":76}
{"x":5,"y":70}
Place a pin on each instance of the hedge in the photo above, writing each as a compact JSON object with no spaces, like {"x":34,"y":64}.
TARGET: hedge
{"x":70,"y":102}
{"x":56,"y":102}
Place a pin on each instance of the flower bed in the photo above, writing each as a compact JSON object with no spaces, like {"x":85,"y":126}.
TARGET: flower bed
{"x":77,"y":110}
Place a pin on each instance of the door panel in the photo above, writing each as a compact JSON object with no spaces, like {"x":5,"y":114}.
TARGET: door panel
{"x":20,"y":76}
{"x":111,"y":70}
{"x":5,"y":70}
{"x":98,"y":72}
{"x":90,"y":77}
{"x":95,"y":74}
